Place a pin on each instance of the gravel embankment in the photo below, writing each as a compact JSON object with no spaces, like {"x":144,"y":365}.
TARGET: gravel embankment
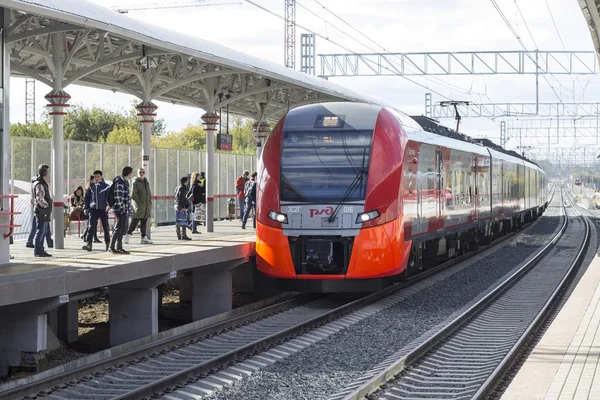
{"x":326,"y":367}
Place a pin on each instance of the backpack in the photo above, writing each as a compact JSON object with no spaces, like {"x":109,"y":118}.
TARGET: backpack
{"x":248,"y":188}
{"x":110,"y":198}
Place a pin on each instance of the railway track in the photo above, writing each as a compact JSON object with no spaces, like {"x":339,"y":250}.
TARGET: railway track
{"x":468,"y":357}
{"x":214,"y":356}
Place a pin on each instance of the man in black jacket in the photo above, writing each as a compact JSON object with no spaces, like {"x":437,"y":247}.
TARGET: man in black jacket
{"x":181,"y":204}
{"x":250,"y":193}
{"x":42,"y":207}
{"x":96,"y":204}
{"x":49,"y":240}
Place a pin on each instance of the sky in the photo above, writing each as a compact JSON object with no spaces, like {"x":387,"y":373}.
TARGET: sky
{"x":384,"y":26}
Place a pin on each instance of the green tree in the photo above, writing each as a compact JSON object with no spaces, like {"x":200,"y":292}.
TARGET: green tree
{"x":192,"y":137}
{"x":95,"y":123}
{"x":244,"y":141}
{"x":35,"y":130}
{"x":124,"y":135}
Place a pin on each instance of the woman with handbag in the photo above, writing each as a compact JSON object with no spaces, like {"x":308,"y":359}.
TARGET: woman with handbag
{"x":42,"y":202}
{"x":195,"y":196}
{"x":181,"y":206}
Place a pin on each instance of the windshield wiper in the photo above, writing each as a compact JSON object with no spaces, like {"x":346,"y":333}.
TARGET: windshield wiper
{"x":358,"y":181}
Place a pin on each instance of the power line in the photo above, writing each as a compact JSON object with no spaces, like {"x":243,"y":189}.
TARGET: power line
{"x":537,"y":48}
{"x":442,"y":82}
{"x":526,"y":26}
{"x":342,"y":46}
{"x":561,"y":41}
{"x":507,"y":22}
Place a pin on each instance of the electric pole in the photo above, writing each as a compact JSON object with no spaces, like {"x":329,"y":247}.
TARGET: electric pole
{"x":289,"y":35}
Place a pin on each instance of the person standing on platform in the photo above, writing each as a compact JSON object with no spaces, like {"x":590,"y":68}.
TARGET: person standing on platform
{"x":42,"y":208}
{"x":141,"y":200}
{"x":49,"y":240}
{"x":250,"y":193}
{"x":240,"y":183}
{"x":86,"y":209}
{"x":181,"y":206}
{"x":122,"y":209}
{"x":196,"y":196}
{"x":96,"y":204}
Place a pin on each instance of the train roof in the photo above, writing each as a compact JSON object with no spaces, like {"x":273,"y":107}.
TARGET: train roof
{"x":433,"y":126}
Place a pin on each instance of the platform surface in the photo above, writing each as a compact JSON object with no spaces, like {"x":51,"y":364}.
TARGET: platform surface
{"x":73,"y":270}
{"x":565,"y":363}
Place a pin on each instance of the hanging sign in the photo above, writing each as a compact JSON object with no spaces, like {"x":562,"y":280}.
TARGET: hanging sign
{"x":224,"y":142}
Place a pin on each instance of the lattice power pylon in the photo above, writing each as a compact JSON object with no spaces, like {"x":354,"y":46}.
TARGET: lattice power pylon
{"x":289,"y":36}
{"x":29,"y":100}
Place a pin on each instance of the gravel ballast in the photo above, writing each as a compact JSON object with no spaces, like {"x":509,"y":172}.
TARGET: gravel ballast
{"x":324,"y":368}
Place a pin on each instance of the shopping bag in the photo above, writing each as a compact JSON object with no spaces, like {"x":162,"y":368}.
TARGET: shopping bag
{"x":200,"y":212}
{"x":181,"y":218}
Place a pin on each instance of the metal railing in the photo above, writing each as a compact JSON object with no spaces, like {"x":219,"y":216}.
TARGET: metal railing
{"x":83,"y":158}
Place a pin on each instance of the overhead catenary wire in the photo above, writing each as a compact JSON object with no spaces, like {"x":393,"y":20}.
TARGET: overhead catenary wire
{"x":563,"y":44}
{"x":516,"y":35}
{"x":345,"y":48}
{"x":537,"y":47}
{"x":441,"y":81}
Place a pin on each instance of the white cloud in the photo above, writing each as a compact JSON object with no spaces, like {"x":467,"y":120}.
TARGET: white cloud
{"x":396,"y":25}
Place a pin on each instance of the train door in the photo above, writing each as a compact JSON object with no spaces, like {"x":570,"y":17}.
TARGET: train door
{"x":426,"y":205}
{"x":441,"y":190}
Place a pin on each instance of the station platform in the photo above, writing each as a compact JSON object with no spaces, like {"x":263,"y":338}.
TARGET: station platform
{"x":72,"y":269}
{"x":565,"y":364}
{"x":39,"y":297}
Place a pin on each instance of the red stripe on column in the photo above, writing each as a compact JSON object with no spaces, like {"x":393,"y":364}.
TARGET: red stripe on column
{"x":58,"y":204}
{"x":210,"y":199}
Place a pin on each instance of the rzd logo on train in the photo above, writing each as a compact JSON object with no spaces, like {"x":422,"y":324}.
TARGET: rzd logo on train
{"x":321,"y":211}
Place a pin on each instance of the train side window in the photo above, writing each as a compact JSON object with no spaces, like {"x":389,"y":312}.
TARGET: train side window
{"x":410,"y":180}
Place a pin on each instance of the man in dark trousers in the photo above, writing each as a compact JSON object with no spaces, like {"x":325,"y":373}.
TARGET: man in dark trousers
{"x":250,"y":193}
{"x":141,"y":201}
{"x":122,"y":209}
{"x":96,"y":205}
{"x":240,"y":184}
{"x":42,"y":207}
{"x":49,"y":240}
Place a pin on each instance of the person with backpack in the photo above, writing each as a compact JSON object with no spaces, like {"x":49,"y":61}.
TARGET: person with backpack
{"x":240,"y":184}
{"x":250,"y":195}
{"x":120,"y":202}
{"x":29,"y":242}
{"x":181,"y":206}
{"x":42,"y":207}
{"x":96,"y":206}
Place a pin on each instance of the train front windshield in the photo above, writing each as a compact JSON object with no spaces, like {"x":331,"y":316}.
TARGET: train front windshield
{"x":320,"y":166}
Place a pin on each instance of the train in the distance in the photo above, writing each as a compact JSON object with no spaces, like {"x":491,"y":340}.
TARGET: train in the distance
{"x":352,"y":194}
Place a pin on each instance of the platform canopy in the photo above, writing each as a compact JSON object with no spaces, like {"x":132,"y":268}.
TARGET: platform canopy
{"x":592,"y":16}
{"x":104,"y":49}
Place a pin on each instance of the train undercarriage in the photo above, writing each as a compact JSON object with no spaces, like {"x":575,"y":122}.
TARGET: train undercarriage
{"x":428,"y":253}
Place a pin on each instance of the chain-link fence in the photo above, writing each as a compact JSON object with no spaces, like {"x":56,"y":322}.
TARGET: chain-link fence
{"x":83,"y":158}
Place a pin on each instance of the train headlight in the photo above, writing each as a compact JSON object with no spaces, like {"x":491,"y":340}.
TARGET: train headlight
{"x":367,"y":216}
{"x":275,"y":216}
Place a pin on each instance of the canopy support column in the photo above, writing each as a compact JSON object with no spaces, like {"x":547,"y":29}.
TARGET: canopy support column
{"x":58,"y":99}
{"x":5,"y":125}
{"x":210,"y":119}
{"x":146,"y":115}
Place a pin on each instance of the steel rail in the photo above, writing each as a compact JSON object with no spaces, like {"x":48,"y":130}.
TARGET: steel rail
{"x":389,"y":373}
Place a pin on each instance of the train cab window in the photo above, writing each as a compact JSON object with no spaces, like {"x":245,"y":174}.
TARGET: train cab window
{"x":319,"y":165}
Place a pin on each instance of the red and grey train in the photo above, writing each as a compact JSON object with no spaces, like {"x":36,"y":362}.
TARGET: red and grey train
{"x":352,"y":194}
